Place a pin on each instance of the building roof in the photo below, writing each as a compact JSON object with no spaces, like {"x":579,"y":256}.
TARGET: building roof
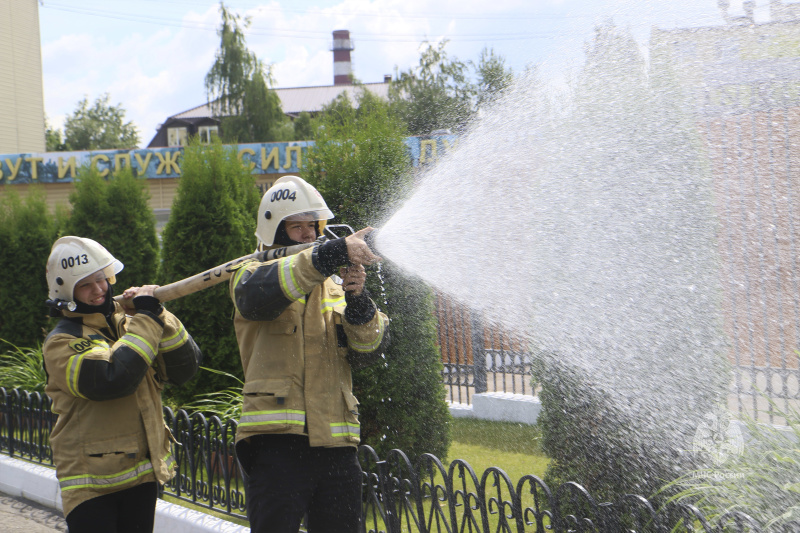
{"x":295,"y":100}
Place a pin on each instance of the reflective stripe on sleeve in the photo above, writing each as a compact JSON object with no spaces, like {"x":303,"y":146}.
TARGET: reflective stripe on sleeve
{"x":73,"y":371}
{"x":140,"y":345}
{"x":288,"y":282}
{"x":174,"y":341}
{"x":343,"y":429}
{"x":372,"y":346}
{"x":281,"y":416}
{"x":238,"y":276}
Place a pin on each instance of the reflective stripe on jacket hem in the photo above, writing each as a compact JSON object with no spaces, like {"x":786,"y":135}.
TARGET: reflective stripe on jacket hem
{"x":112,"y":480}
{"x":343,"y":429}
{"x":281,"y":416}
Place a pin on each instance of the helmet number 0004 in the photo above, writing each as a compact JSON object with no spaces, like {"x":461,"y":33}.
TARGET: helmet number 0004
{"x":283,"y":194}
{"x":69,"y":262}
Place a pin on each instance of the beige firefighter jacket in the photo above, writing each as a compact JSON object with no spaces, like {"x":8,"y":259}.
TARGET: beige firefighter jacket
{"x":110,"y":434}
{"x":295,"y":343}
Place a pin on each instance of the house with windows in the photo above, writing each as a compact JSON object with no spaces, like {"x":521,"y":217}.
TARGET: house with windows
{"x":202,"y":121}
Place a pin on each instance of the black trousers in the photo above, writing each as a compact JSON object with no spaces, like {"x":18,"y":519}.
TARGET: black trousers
{"x":126,"y":511}
{"x":286,"y":479}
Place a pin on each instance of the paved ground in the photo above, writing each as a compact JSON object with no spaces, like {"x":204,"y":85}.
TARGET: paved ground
{"x":23,"y":516}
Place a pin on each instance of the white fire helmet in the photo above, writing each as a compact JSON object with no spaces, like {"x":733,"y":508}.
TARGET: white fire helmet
{"x":72,"y":259}
{"x":289,"y":195}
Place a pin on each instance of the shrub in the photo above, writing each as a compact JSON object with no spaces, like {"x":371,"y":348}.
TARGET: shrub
{"x":22,"y":368}
{"x":226,"y":404}
{"x":761,"y":481}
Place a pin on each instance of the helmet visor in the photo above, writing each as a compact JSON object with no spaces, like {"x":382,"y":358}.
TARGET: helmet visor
{"x":306,"y":216}
{"x":112,"y":270}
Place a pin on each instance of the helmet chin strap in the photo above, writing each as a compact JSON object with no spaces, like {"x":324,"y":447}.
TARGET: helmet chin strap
{"x":104,"y":308}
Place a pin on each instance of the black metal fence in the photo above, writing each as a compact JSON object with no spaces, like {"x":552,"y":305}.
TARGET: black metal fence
{"x":398,"y":496}
{"x":477,"y":359}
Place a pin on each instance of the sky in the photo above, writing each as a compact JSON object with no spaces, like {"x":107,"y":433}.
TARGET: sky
{"x":152,"y":56}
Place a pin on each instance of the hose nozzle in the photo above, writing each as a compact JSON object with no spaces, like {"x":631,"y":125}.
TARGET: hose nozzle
{"x":370,"y":238}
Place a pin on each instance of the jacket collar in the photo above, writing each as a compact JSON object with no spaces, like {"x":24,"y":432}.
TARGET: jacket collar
{"x":96,"y":320}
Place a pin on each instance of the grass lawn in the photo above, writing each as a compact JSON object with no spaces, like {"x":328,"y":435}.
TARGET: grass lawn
{"x":515,"y":448}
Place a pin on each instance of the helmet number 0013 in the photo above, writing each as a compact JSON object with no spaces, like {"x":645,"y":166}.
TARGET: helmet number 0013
{"x":283,"y":194}
{"x":69,"y":262}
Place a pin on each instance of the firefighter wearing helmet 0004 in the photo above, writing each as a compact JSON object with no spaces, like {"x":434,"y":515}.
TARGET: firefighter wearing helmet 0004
{"x":300,"y":333}
{"x":105,"y":371}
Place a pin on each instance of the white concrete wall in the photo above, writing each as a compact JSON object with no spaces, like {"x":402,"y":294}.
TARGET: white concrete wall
{"x":38,"y":484}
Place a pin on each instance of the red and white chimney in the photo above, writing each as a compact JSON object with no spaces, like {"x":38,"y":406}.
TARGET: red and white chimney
{"x":342,"y":68}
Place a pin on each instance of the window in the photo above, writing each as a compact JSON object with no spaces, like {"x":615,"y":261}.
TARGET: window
{"x":176,"y":137}
{"x":207,"y":133}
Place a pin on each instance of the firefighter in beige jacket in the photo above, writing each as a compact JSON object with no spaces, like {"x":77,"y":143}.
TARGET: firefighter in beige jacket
{"x":299,"y":333}
{"x":105,"y":372}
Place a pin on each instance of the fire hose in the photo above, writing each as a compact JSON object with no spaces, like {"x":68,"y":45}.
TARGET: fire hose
{"x":218,"y":274}
{"x":223,"y":272}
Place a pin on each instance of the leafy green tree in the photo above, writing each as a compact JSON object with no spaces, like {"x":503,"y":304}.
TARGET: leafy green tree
{"x":27,"y":231}
{"x":52,"y":138}
{"x":101,"y":126}
{"x":437,"y":94}
{"x":115,"y":213}
{"x":493,"y":76}
{"x":239,"y":84}
{"x":358,"y":163}
{"x":303,"y":130}
{"x":212,"y":222}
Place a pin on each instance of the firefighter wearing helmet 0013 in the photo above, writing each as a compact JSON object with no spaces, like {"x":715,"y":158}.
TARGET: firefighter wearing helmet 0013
{"x":289,"y":196}
{"x":300,"y":334}
{"x":105,"y":372}
{"x":72,"y":259}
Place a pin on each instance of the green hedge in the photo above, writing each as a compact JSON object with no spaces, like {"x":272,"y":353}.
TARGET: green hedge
{"x":27,"y":231}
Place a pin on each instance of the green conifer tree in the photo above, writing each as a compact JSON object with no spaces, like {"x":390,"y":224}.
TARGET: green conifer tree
{"x":115,"y":212}
{"x":212,"y":222}
{"x":27,"y":231}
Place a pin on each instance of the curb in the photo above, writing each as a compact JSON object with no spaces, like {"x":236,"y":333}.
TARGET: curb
{"x":500,"y":407}
{"x":38,"y":484}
